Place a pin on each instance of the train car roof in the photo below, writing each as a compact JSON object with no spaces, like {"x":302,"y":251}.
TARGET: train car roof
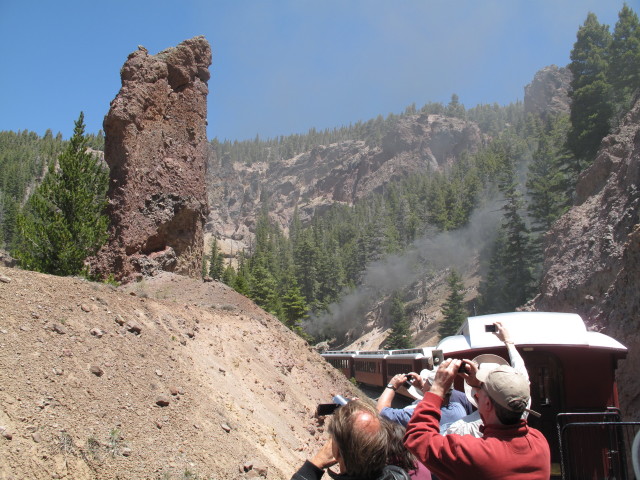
{"x":528,"y":328}
{"x":374,"y":353}
{"x":415,"y":353}
{"x":409,"y":355}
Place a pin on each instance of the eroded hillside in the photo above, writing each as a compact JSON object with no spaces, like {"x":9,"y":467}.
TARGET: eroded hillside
{"x":160,"y":379}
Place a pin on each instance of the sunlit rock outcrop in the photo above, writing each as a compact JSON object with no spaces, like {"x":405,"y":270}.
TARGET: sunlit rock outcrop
{"x":341,"y":172}
{"x":548,"y":92}
{"x":156,"y":148}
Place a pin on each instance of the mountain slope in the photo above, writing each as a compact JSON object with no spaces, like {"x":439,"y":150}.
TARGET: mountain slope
{"x":85,"y":368}
{"x":342,"y":172}
{"x":592,"y":254}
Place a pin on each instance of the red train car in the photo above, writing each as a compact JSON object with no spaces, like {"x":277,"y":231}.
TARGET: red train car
{"x":573,"y":385}
{"x":342,"y":360}
{"x":571,"y":369}
{"x":369,"y":367}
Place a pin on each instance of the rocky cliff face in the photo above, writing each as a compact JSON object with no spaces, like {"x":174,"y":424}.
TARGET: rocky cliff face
{"x":592,"y":255}
{"x":343,"y":172}
{"x":548,"y":92}
{"x":156,"y":148}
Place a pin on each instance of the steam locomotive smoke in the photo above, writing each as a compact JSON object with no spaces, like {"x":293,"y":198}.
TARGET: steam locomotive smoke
{"x":448,"y":249}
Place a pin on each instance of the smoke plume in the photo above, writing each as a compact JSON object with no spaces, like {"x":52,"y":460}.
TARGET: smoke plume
{"x":452,"y":249}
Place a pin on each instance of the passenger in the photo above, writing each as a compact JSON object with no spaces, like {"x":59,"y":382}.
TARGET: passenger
{"x":470,"y":424}
{"x":361,"y":443}
{"x":455,"y":405}
{"x":400,"y":456}
{"x":509,"y":448}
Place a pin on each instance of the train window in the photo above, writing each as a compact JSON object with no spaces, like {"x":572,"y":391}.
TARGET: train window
{"x":339,"y":362}
{"x":395,"y":369}
{"x":368,"y":367}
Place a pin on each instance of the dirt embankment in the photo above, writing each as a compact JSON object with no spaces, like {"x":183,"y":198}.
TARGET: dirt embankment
{"x":168,"y":378}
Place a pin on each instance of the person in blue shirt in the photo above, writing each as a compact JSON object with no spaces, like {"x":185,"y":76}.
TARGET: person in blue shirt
{"x":455,"y":406}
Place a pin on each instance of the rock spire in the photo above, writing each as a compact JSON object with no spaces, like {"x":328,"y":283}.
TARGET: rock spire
{"x":156,"y":148}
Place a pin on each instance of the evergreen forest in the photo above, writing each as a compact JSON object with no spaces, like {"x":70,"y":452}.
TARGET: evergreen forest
{"x":530,"y":166}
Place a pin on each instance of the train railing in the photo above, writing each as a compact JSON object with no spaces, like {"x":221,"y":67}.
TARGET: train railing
{"x":596,"y":445}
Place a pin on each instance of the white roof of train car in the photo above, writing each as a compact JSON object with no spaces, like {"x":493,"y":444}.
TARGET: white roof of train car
{"x":527,"y":328}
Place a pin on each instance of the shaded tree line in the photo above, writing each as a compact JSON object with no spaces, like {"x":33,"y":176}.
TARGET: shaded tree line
{"x":606,"y":80}
{"x":24,"y":157}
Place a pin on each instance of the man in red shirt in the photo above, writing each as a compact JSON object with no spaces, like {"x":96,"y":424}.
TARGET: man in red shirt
{"x":508,"y":449}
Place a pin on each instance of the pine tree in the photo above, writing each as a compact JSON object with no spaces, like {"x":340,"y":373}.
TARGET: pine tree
{"x":517,"y":261}
{"x":64,"y":220}
{"x":509,"y":282}
{"x":294,"y":307}
{"x":229,"y":275}
{"x":241,"y":279}
{"x":216,"y":262}
{"x":9,"y":211}
{"x":455,"y":108}
{"x":453,"y":310}
{"x":546,"y":181}
{"x":624,"y":65}
{"x":331,"y":274}
{"x":306,"y":263}
{"x":263,"y":289}
{"x":492,"y":292}
{"x":591,"y":92}
{"x":400,"y":335}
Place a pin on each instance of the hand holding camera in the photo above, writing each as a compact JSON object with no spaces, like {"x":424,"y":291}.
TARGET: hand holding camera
{"x":409,"y":379}
{"x":330,"y":408}
{"x":464,"y":368}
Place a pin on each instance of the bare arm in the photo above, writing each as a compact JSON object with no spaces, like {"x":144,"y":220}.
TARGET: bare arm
{"x":516,"y":360}
{"x":386,"y":397}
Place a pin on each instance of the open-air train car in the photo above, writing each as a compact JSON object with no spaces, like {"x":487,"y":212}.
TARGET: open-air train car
{"x":572,"y":375}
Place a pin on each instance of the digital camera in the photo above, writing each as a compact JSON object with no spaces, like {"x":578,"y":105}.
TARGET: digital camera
{"x":330,"y":408}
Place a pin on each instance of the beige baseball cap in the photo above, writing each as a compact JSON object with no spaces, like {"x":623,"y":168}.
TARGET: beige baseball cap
{"x":506,"y":387}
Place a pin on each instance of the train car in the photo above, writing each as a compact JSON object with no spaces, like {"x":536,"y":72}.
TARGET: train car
{"x":343,"y":360}
{"x":369,"y":367}
{"x":571,"y":370}
{"x":409,"y":360}
{"x":376,"y":367}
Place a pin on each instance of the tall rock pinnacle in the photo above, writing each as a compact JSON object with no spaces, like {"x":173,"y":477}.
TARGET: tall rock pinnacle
{"x":156,"y":148}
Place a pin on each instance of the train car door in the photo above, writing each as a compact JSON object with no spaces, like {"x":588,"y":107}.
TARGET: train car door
{"x":547,"y":396}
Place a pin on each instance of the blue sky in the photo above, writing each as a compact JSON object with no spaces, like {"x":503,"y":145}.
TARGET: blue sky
{"x":284,"y":66}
